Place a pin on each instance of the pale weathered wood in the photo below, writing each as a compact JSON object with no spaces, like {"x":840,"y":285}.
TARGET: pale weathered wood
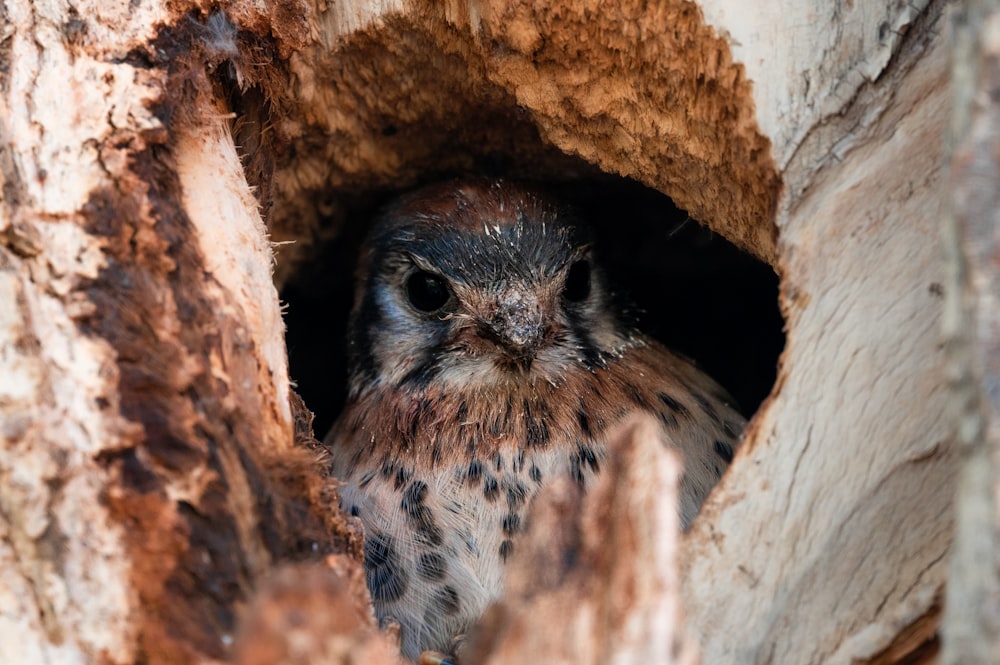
{"x":64,"y":558}
{"x":971,"y":629}
{"x":837,"y":515}
{"x":808,"y":61}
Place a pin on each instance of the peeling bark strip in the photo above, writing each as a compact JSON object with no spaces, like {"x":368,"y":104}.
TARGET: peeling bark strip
{"x":153,"y":276}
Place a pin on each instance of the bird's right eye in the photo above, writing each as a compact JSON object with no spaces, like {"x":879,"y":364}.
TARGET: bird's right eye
{"x":427,"y":292}
{"x":577,"y":286}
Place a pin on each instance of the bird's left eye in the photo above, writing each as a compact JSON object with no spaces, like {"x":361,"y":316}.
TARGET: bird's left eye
{"x":426,"y":291}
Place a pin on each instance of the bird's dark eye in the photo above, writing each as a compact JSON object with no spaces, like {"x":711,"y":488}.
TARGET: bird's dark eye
{"x":576,"y":288}
{"x":427,"y":292}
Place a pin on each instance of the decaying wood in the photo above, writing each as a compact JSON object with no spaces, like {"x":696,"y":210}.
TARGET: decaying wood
{"x":148,"y":477}
{"x":597,"y":570}
{"x":313,"y":614}
{"x":647,"y":92}
{"x":156,"y":466}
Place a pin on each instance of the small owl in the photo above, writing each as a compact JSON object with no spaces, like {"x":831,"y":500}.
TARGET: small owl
{"x":487,"y":358}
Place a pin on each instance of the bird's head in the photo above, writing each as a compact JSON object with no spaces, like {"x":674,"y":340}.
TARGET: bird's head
{"x":475,"y":283}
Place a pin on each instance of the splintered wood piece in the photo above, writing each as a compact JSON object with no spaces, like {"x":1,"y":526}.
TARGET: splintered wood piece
{"x":309,"y":614}
{"x":593,"y":580}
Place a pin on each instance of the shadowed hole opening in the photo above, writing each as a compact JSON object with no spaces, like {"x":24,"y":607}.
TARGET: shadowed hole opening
{"x":694,"y":291}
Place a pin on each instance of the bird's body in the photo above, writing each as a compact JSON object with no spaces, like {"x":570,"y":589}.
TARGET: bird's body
{"x":487,"y":359}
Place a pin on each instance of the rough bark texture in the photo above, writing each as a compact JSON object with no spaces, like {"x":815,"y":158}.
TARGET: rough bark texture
{"x":149,"y":476}
{"x":156,"y":466}
{"x":312,"y":613}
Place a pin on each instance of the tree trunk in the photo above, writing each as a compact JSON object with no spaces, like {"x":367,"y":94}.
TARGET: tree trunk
{"x":158,"y":469}
{"x":150,"y":475}
{"x":972,"y":326}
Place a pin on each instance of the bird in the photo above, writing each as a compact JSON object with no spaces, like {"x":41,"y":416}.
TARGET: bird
{"x":487,"y":356}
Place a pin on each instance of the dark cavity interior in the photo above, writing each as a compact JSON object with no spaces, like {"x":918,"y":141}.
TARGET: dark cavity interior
{"x":694,"y":291}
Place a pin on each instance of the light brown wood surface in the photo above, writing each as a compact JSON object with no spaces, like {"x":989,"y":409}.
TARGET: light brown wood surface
{"x":155,"y":464}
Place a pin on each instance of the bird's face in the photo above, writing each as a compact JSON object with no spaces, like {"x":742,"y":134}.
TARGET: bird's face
{"x":474,"y":284}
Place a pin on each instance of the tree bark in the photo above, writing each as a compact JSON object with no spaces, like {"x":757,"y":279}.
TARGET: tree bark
{"x":150,"y":476}
{"x":838,"y":515}
{"x":972,"y":331}
{"x":157,"y":468}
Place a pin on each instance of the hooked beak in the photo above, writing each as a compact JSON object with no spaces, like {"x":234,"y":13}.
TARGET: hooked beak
{"x":517,"y":326}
